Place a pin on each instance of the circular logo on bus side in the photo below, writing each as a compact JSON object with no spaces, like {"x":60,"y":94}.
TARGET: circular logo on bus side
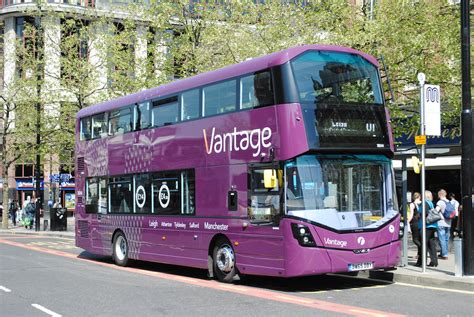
{"x":164,"y":196}
{"x":391,"y":228}
{"x":140,"y":196}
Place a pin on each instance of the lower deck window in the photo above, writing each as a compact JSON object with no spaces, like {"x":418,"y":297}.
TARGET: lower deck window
{"x":96,"y":195}
{"x":166,"y":193}
{"x":120,"y":195}
{"x":173,"y":192}
{"x":264,"y":203}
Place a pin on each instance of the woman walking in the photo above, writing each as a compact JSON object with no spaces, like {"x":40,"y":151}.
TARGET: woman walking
{"x":431,"y":229}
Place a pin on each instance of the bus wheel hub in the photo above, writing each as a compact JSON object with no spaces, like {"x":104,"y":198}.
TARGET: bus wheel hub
{"x":225,"y":258}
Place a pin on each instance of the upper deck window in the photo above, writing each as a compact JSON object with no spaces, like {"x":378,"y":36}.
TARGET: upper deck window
{"x":331,"y":77}
{"x":220,"y":98}
{"x":165,"y":112}
{"x":99,"y":126}
{"x":85,"y":128}
{"x":142,"y":115}
{"x":256,"y":90}
{"x":190,"y":105}
{"x":120,"y":121}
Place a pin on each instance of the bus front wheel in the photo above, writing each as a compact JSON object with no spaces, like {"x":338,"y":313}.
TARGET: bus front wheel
{"x":120,"y":249}
{"x":224,"y":261}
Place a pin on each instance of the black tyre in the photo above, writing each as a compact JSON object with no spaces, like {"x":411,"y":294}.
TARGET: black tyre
{"x":120,"y":249}
{"x":223,"y":258}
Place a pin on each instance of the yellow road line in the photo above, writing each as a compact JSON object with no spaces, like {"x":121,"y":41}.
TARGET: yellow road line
{"x":436,"y":288}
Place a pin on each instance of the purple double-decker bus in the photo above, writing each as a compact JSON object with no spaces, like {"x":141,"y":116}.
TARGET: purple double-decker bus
{"x":277,"y":166}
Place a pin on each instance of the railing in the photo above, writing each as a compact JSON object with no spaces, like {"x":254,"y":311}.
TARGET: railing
{"x":81,"y":3}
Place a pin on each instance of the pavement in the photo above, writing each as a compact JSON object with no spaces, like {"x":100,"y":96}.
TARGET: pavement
{"x":442,"y":277}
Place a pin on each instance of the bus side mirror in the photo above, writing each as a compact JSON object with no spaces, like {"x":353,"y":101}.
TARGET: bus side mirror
{"x":269,"y":178}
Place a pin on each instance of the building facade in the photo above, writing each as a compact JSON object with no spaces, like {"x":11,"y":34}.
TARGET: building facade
{"x":57,"y":170}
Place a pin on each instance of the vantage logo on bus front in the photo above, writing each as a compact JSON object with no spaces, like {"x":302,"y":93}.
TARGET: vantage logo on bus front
{"x":238,"y":140}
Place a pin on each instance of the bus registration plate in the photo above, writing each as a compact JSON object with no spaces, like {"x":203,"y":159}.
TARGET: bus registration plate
{"x":361,"y":266}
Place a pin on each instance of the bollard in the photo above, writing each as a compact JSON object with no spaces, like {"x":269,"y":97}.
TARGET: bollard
{"x":457,"y":257}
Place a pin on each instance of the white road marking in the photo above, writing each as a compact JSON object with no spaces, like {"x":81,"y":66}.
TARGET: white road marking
{"x":6,"y":290}
{"x":436,"y":288}
{"x":45,"y":310}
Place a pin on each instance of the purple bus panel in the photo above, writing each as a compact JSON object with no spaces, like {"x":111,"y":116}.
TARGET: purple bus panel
{"x":222,"y":151}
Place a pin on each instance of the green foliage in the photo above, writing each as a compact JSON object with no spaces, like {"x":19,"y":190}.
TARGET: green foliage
{"x":106,"y":56}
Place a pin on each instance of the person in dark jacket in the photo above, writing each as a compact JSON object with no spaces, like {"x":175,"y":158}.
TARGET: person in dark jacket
{"x":12,"y":209}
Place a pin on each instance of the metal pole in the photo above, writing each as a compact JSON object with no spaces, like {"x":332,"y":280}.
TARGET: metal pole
{"x":371,"y":17}
{"x":38,"y":120}
{"x":421,"y":79}
{"x":466,"y":143}
{"x":405,"y":212}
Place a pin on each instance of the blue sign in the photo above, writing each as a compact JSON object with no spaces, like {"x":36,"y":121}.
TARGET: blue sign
{"x":27,"y":184}
{"x":60,"y":178}
{"x":450,"y":135}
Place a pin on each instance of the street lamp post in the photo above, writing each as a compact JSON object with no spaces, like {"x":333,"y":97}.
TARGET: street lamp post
{"x":39,"y":43}
{"x":466,"y":143}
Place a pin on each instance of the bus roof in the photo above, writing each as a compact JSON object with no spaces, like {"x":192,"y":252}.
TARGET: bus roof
{"x":246,"y":67}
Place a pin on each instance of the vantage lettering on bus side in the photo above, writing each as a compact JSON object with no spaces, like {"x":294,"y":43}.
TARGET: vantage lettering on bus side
{"x":335,"y":242}
{"x":238,"y":140}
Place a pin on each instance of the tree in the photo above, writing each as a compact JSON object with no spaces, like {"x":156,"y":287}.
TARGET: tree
{"x":412,"y":37}
{"x":17,"y":98}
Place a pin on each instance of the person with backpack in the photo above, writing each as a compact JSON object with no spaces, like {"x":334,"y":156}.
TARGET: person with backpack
{"x":455,"y":203}
{"x":444,"y":225}
{"x":29,"y":211}
{"x":413,"y":218}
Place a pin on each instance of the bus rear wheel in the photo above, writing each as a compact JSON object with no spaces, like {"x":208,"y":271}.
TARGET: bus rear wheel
{"x":120,"y":249}
{"x":224,"y":261}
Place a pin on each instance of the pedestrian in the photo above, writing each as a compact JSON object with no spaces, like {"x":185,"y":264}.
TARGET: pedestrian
{"x":431,"y":230}
{"x":455,"y":203}
{"x":29,"y":212}
{"x":444,"y":224}
{"x":413,"y":218}
{"x":57,"y":204}
{"x":12,"y":209}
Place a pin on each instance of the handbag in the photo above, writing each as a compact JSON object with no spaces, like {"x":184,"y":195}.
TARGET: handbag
{"x":433,"y":216}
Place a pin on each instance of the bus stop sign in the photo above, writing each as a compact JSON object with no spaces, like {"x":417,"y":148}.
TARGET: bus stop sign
{"x":432,"y":96}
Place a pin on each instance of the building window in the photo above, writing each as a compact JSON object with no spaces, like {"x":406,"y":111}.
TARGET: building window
{"x":74,"y":47}
{"x":123,"y":60}
{"x":24,"y":170}
{"x":26,"y":33}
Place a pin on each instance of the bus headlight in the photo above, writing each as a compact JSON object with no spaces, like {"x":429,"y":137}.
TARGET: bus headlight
{"x":303,"y":235}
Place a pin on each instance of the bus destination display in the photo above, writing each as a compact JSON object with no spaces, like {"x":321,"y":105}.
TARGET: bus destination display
{"x":351,"y":125}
